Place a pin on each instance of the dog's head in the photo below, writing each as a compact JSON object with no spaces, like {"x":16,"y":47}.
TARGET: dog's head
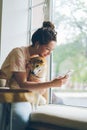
{"x":37,"y":66}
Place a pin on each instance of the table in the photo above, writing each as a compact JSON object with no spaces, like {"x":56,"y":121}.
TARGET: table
{"x":9,"y":96}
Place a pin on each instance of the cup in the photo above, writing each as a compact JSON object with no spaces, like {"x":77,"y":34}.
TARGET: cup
{"x":2,"y":82}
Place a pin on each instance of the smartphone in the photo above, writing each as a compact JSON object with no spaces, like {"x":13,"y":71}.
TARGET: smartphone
{"x":69,"y":73}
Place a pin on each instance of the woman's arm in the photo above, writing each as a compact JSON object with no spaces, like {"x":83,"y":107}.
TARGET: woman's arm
{"x":21,"y":78}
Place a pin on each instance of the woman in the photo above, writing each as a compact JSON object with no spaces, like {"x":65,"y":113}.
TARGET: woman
{"x":14,"y":67}
{"x":43,"y":43}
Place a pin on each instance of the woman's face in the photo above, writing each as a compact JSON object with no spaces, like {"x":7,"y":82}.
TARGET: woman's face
{"x":45,"y":50}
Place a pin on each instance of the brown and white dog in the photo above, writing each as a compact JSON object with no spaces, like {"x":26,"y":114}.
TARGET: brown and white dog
{"x":37,"y":69}
{"x":37,"y":73}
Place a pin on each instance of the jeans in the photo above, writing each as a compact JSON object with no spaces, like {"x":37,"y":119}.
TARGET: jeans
{"x":16,"y":115}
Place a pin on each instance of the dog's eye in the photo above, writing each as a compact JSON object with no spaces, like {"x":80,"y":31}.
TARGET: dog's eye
{"x":41,"y":61}
{"x":37,"y":65}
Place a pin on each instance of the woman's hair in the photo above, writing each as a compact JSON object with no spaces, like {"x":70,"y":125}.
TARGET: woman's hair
{"x":45,"y":34}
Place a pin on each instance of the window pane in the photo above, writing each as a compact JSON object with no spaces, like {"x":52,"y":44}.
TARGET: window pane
{"x":37,"y":16}
{"x":70,"y":18}
{"x":36,"y":2}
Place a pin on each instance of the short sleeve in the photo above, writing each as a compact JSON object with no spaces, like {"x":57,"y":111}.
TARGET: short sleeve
{"x":17,"y":60}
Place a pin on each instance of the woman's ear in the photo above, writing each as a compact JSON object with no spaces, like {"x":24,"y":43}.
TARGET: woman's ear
{"x":37,"y":45}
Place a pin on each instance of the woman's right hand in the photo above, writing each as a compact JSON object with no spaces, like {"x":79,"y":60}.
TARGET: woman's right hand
{"x":59,"y":81}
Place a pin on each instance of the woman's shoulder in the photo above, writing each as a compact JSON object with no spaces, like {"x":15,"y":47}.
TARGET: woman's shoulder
{"x":22,"y":49}
{"x":21,"y":52}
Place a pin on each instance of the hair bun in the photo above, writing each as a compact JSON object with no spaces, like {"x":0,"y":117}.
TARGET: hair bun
{"x":48,"y":24}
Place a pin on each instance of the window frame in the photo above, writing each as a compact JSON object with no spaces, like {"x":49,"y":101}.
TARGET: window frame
{"x":72,"y":105}
{"x":47,"y":7}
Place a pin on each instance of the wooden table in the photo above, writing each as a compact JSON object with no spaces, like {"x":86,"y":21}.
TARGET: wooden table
{"x":9,"y":96}
{"x":15,"y":95}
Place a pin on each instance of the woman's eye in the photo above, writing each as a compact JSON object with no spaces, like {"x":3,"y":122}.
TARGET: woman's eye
{"x":49,"y":49}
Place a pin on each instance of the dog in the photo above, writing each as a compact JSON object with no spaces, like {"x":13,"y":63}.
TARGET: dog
{"x":36,"y":67}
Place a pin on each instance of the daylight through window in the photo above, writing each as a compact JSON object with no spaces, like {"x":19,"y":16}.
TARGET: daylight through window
{"x":70,"y":18}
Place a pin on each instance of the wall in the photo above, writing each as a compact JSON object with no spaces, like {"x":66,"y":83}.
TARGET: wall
{"x":14,"y":21}
{"x":0,"y":24}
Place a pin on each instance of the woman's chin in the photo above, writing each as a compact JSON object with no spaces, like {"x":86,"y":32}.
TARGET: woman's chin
{"x":43,"y":55}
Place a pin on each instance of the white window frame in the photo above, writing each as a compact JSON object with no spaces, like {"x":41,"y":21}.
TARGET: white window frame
{"x":48,"y":9}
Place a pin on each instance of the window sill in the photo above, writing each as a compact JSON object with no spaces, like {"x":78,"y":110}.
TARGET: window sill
{"x":62,"y":116}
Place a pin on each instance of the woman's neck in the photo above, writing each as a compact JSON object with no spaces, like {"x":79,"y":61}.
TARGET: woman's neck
{"x":32,"y":51}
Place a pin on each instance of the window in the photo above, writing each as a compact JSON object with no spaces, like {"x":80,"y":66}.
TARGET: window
{"x":37,"y":14}
{"x":70,"y":18}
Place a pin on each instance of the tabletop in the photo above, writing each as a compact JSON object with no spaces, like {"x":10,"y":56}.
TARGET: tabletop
{"x":15,"y":95}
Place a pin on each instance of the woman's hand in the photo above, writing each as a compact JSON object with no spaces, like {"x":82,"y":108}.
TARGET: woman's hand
{"x":59,"y":81}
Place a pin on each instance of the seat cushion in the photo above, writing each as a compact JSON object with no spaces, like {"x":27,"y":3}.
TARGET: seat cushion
{"x":59,"y":116}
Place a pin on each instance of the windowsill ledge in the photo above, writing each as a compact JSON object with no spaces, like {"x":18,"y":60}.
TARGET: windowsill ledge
{"x":60,"y":115}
